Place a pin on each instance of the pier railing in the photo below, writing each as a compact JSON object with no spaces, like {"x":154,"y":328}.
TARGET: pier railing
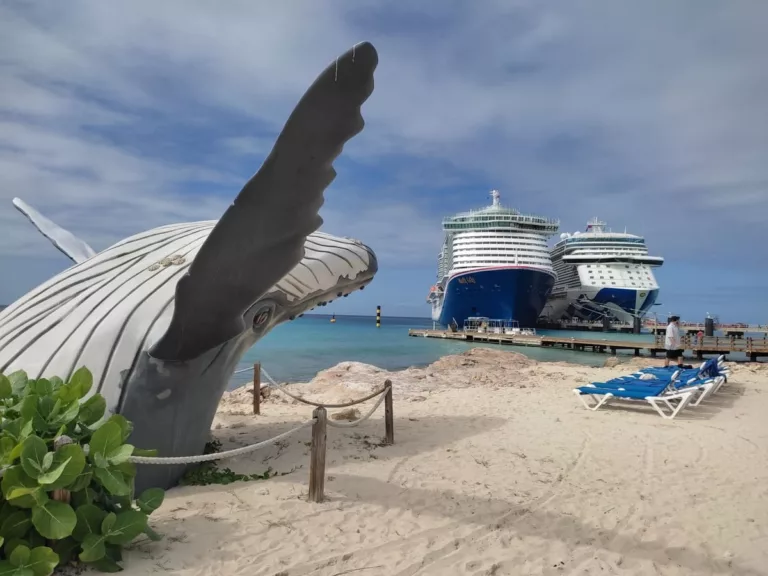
{"x":753,"y":348}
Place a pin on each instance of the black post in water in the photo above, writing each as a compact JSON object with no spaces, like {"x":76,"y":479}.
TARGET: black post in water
{"x":709,"y":327}
{"x":606,"y":324}
{"x":378,"y":316}
{"x":637,"y":325}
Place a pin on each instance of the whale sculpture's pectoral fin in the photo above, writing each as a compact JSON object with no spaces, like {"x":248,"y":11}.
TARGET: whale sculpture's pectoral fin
{"x":64,"y":240}
{"x":260,"y":237}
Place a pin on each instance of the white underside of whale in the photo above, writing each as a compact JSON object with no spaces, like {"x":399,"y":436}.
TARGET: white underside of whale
{"x":106,"y":309}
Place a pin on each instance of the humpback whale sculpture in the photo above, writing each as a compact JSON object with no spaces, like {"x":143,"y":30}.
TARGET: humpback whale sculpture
{"x":162,"y":318}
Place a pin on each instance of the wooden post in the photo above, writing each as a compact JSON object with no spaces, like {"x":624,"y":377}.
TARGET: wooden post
{"x":317,"y":456}
{"x":257,"y":388}
{"x":389,"y":414}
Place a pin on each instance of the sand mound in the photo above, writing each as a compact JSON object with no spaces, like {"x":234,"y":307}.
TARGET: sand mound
{"x":348,"y":381}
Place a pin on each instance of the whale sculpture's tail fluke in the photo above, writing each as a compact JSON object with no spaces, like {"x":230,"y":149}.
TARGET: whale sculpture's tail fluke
{"x":261,"y":236}
{"x":64,"y":240}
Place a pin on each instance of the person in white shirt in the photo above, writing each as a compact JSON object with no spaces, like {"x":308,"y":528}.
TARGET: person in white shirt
{"x":672,"y":342}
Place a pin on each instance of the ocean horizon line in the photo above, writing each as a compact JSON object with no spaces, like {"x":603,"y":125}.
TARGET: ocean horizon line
{"x":324,"y":315}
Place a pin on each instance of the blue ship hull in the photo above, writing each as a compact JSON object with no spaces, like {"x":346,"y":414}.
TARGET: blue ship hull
{"x":632,"y":301}
{"x":497,"y":293}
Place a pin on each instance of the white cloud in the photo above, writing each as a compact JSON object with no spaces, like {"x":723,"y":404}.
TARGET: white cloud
{"x":636,"y":112}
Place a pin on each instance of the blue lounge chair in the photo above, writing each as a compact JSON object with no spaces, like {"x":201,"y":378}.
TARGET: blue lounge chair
{"x":660,"y":396}
{"x":712,"y":371}
{"x":705,"y":386}
{"x":711,"y":368}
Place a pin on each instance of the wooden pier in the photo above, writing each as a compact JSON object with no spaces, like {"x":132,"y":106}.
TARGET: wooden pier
{"x":753,"y":348}
{"x":737,"y":330}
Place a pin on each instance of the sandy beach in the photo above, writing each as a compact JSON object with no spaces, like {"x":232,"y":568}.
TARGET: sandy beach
{"x":497,"y":469}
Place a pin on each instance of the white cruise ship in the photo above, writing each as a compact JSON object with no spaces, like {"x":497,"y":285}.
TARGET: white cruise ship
{"x":600,"y":274}
{"x":494,"y":263}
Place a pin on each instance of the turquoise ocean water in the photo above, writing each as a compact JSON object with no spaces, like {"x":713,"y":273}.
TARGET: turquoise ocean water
{"x":296,"y":351}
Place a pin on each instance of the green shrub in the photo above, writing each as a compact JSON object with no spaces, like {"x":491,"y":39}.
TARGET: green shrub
{"x":62,"y":503}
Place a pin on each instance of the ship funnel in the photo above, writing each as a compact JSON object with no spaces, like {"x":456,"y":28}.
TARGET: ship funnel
{"x":495,"y":196}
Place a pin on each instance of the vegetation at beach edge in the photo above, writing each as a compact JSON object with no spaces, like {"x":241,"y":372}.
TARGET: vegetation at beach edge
{"x":67,"y":479}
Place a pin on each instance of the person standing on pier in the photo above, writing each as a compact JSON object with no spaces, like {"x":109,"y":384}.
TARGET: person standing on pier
{"x":672,"y":342}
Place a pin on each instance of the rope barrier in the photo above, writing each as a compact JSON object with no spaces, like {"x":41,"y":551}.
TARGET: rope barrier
{"x":317,"y":404}
{"x":158,"y":460}
{"x":362,"y":418}
{"x":206,"y":457}
{"x":218,"y":455}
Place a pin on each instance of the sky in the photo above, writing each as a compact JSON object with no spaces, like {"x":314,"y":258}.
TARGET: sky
{"x":116,"y":117}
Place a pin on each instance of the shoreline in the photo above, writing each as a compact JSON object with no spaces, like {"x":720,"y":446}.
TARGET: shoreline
{"x":496,"y":469}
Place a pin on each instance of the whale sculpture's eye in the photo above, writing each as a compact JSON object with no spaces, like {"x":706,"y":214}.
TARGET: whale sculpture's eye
{"x":260,"y":318}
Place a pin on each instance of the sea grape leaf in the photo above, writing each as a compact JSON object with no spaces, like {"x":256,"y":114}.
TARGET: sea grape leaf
{"x":93,"y":548}
{"x":125,"y":426}
{"x":42,"y":561}
{"x":81,"y":381}
{"x":20,"y":556}
{"x":8,"y":569}
{"x":127,"y":526}
{"x":56,"y":382}
{"x":43,"y":387}
{"x":128,"y":469}
{"x":54,"y":473}
{"x":107,"y":439}
{"x":113,"y":481}
{"x":11,"y":544}
{"x":120,"y":454}
{"x":33,"y":456}
{"x":7,"y":444}
{"x":66,"y":549}
{"x":5,"y":510}
{"x":150,"y":500}
{"x":82,"y":481}
{"x":34,"y":539}
{"x":70,"y":410}
{"x":30,"y":411}
{"x":89,"y":519}
{"x":17,"y":494}
{"x":16,"y":525}
{"x":15,"y":477}
{"x":18,"y":381}
{"x":152,"y":535}
{"x":54,"y":520}
{"x":92,"y":410}
{"x":108,"y":522}
{"x":6,"y":390}
{"x":72,"y":458}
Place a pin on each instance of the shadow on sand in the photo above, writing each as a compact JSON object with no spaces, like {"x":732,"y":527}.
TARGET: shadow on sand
{"x":485,"y":518}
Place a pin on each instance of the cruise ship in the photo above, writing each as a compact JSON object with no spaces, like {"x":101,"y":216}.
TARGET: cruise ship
{"x":602,"y":274}
{"x":494,"y":263}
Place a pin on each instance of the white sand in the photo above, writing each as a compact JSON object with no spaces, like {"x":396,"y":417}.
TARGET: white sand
{"x":497,"y":469}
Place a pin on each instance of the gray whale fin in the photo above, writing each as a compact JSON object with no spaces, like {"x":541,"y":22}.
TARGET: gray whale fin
{"x":261,"y":236}
{"x":77,"y":249}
